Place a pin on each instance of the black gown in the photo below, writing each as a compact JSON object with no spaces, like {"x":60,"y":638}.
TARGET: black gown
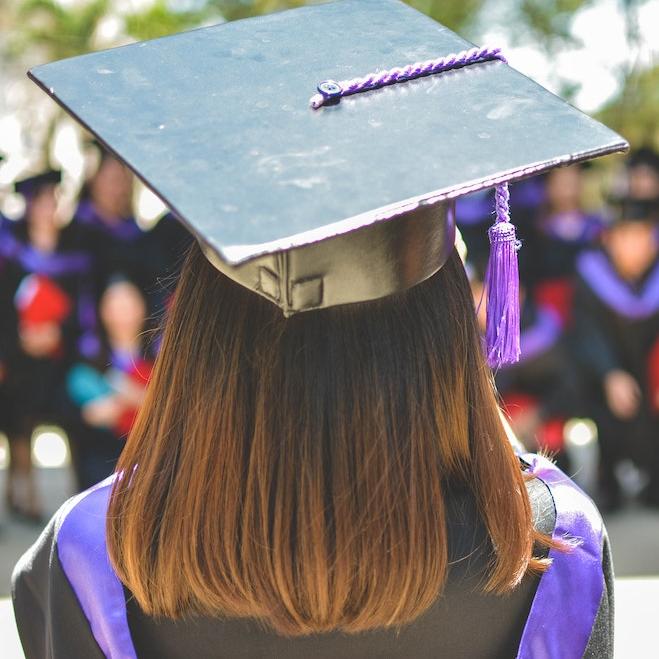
{"x":98,"y":448}
{"x":6,"y":331}
{"x":33,"y":385}
{"x":462,"y":623}
{"x":550,"y":256}
{"x":544,"y":371}
{"x":151,"y":259}
{"x":166,"y":247}
{"x":543,"y":380}
{"x":616,"y":327}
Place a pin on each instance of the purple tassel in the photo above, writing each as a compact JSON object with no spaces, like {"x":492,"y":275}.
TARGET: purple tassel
{"x":502,"y":285}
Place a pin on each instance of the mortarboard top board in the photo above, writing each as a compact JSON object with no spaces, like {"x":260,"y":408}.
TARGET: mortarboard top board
{"x":217,"y":123}
{"x":29,"y":187}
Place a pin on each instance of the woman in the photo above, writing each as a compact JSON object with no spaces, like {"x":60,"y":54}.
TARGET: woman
{"x":106,"y":220}
{"x":42,"y":285}
{"x":563,"y":229}
{"x":616,"y":328}
{"x":319,"y":468}
{"x":313,"y":485}
{"x":107,"y":391}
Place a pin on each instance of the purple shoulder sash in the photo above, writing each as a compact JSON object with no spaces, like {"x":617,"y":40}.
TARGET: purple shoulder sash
{"x":597,"y":272}
{"x":55,"y":264}
{"x":565,"y":605}
{"x":542,"y":335}
{"x":559,"y":625}
{"x":82,"y":552}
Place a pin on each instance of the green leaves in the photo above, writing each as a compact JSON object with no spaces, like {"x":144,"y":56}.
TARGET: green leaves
{"x":43,"y":30}
{"x":549,"y":20}
{"x":60,"y":31}
{"x":159,"y":20}
{"x":457,"y":16}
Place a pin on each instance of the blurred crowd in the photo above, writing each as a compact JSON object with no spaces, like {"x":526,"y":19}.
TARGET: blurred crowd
{"x":589,"y":292}
{"x":81,"y":298}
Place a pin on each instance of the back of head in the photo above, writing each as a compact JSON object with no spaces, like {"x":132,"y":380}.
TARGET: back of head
{"x":294,"y":470}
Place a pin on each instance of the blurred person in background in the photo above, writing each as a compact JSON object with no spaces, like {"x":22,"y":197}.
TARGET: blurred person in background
{"x":5,"y":407}
{"x":106,"y":217}
{"x":43,"y":275}
{"x":166,"y":246}
{"x":643,"y":174}
{"x":616,"y":310}
{"x":539,"y":392}
{"x":108,"y":390}
{"x":473,"y":215}
{"x":561,"y":230}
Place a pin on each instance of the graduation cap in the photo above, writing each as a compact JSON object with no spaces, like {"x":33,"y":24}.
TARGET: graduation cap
{"x":626,"y":208}
{"x":347,"y":198}
{"x":644,"y":157}
{"x":30,"y":187}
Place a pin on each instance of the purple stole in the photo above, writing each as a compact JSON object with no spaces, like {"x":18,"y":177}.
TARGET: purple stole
{"x":597,"y":271}
{"x":536,"y":339}
{"x":58,"y":265}
{"x":124,"y":229}
{"x":47,"y":264}
{"x":560,"y":226}
{"x":565,"y":605}
{"x":559,"y":625}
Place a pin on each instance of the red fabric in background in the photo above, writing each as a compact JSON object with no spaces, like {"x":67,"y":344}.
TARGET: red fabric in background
{"x":550,"y":433}
{"x":557,"y":294}
{"x":653,"y":377}
{"x":140,"y":374}
{"x":40,"y":300}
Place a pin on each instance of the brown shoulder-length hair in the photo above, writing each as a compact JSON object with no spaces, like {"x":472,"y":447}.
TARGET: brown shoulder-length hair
{"x":294,"y":470}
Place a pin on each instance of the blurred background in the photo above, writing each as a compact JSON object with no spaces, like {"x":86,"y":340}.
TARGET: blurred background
{"x":89,"y":258}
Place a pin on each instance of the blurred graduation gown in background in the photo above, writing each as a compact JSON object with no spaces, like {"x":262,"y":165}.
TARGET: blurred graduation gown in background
{"x":39,"y":287}
{"x":617,"y":329}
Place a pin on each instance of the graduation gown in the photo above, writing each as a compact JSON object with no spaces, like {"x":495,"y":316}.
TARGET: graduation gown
{"x":96,"y":449}
{"x":543,"y":371}
{"x":475,"y":214}
{"x":69,"y":603}
{"x":32,"y":383}
{"x":151,"y":259}
{"x":552,"y":249}
{"x":116,"y":247}
{"x":167,"y":244}
{"x":617,"y":328}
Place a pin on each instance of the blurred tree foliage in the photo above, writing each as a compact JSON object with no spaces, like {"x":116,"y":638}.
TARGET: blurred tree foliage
{"x":159,"y":20}
{"x":634,"y":112}
{"x":162,"y":18}
{"x":53,"y":29}
{"x":47,"y":26}
{"x":548,"y":21}
{"x":456,"y":15}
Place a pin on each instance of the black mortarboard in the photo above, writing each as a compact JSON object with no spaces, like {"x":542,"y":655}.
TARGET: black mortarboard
{"x":318,"y":207}
{"x":626,"y":208}
{"x":29,"y":187}
{"x":645,"y":156}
